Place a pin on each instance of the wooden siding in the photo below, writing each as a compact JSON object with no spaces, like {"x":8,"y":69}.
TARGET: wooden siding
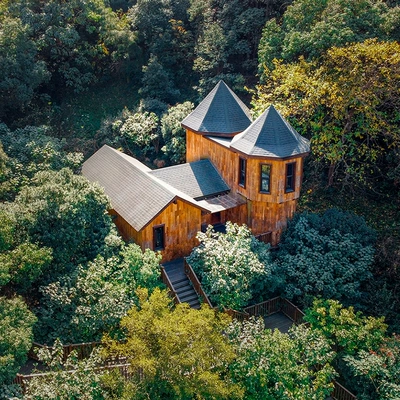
{"x":265,"y":211}
{"x":181,"y":222}
{"x":227,"y":163}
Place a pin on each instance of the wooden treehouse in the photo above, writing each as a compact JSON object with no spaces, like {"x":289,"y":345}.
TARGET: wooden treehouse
{"x":236,"y":170}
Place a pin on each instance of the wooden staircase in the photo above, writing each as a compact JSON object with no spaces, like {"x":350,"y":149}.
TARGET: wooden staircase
{"x":181,"y":285}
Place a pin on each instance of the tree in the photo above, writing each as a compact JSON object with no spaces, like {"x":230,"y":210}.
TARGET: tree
{"x":181,"y":352}
{"x":30,"y":150}
{"x":348,"y":104}
{"x":21,"y":74}
{"x":83,"y":305}
{"x":353,"y":336}
{"x":140,"y":132}
{"x":328,"y":255}
{"x":376,"y":373}
{"x":173,"y":133}
{"x":157,"y":83}
{"x":15,"y":336}
{"x":79,"y":40}
{"x":309,"y":28}
{"x":273,"y":365}
{"x":24,"y":265}
{"x":234,"y":267}
{"x":346,"y":330}
{"x":64,"y":212}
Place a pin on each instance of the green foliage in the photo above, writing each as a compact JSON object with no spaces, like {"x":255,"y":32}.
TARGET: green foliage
{"x":233,"y":267}
{"x":376,"y":373}
{"x":78,"y":39}
{"x":69,"y":379}
{"x":7,"y":227}
{"x":328,"y":255}
{"x":15,"y":336}
{"x":21,"y":74}
{"x":180,"y":351}
{"x":348,"y":103}
{"x":138,"y":268}
{"x":157,"y":83}
{"x":83,"y":305}
{"x":226,"y":39}
{"x":361,"y":345}
{"x":309,"y":28}
{"x":66,"y":213}
{"x":141,"y":134}
{"x":173,"y":133}
{"x":273,"y":365}
{"x":24,"y":265}
{"x":30,"y":150}
{"x":347,"y":331}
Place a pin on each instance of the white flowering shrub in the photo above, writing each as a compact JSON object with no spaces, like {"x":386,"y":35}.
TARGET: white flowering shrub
{"x":234,"y":267}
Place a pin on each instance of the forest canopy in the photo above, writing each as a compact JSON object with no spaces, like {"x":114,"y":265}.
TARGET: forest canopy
{"x":75,"y":75}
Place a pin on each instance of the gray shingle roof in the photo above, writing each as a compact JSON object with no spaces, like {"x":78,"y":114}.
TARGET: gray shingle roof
{"x":198,"y":179}
{"x":221,"y":112}
{"x":138,"y":194}
{"x":270,"y":135}
{"x":133,"y":193}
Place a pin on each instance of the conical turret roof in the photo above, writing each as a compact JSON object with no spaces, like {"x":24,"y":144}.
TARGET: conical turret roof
{"x":220,"y":113}
{"x":270,"y":135}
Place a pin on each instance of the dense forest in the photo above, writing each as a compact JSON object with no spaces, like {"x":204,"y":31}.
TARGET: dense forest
{"x":75,"y":75}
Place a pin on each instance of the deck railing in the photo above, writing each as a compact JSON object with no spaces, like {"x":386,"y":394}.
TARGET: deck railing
{"x":265,"y":308}
{"x":83,"y":350}
{"x":23,"y":380}
{"x":239,"y":315}
{"x":167,"y":282}
{"x":196,"y":283}
{"x":264,"y":237}
{"x":341,"y":393}
{"x":292,"y":312}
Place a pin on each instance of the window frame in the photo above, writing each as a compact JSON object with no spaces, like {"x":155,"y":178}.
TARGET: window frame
{"x":263,"y":179}
{"x":242,"y":172}
{"x":155,"y":229}
{"x":290,"y":179}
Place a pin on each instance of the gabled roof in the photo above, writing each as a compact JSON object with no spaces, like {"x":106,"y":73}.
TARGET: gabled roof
{"x":197,"y":179}
{"x":221,"y":112}
{"x":133,"y":193}
{"x":270,"y":135}
{"x":138,"y":195}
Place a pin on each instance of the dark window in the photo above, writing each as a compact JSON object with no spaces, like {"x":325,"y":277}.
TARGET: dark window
{"x":265,"y":174}
{"x":290,"y":177}
{"x":158,"y":237}
{"x":242,"y":172}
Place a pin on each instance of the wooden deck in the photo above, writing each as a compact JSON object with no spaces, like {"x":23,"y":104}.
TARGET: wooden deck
{"x":278,"y":321}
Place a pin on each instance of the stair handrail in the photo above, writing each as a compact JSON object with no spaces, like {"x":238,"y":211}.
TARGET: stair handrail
{"x":196,"y":283}
{"x":167,"y":281}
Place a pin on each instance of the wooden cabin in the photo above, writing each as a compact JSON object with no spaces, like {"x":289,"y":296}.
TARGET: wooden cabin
{"x":236,"y":170}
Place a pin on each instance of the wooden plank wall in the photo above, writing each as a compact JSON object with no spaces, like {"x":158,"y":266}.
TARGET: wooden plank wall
{"x":182,"y":222}
{"x":265,"y":212}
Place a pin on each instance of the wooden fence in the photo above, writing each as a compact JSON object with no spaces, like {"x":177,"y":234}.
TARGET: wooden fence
{"x":83,"y":350}
{"x":275,"y":305}
{"x":341,"y":393}
{"x":196,"y":284}
{"x":264,"y":237}
{"x":23,"y":380}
